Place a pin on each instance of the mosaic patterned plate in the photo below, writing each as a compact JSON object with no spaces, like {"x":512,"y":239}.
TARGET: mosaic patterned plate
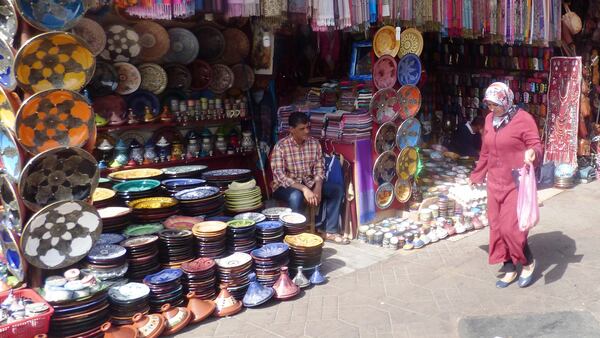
{"x":11,"y":158}
{"x":7,"y":70}
{"x":154,"y":78}
{"x":384,"y":106}
{"x":237,"y":46}
{"x":384,"y":167}
{"x":385,"y":43}
{"x":7,"y":112}
{"x":409,"y":100}
{"x":409,"y":70}
{"x":153,"y":39}
{"x":13,"y":215}
{"x":54,"y":118}
{"x":57,"y":175}
{"x":212,"y":42}
{"x":135,"y":174}
{"x":201,"y":74}
{"x":104,"y":81}
{"x":304,"y":240}
{"x":9,"y":244}
{"x":402,"y":190}
{"x":386,"y":137}
{"x":184,"y":46}
{"x":184,"y":169}
{"x":411,"y":41}
{"x":129,"y":78}
{"x":197,"y":193}
{"x":54,"y":60}
{"x":409,"y":133}
{"x":384,"y":72}
{"x":407,"y":164}
{"x":122,"y":44}
{"x":384,"y":195}
{"x":49,"y":15}
{"x":221,"y":78}
{"x":76,"y":226}
{"x":8,"y":21}
{"x":235,"y":260}
{"x":243,"y":77}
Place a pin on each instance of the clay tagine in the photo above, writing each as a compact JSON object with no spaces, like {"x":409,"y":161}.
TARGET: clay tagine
{"x":201,"y":309}
{"x":176,"y":318}
{"x":113,"y":331}
{"x":284,"y":287}
{"x":226,"y":304}
{"x":149,"y":326}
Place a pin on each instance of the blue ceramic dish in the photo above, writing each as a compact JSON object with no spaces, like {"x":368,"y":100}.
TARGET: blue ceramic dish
{"x":409,"y":70}
{"x":197,"y":193}
{"x":269,"y":225}
{"x":163,"y":277}
{"x":182,"y":182}
{"x":408,"y":134}
{"x":270,"y":250}
{"x":7,"y":72}
{"x":49,"y":15}
{"x":141,"y":99}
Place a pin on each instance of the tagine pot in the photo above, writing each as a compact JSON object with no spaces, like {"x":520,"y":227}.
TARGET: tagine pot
{"x":257,"y":294}
{"x":200,"y":309}
{"x":284,"y":287}
{"x":226,"y":304}
{"x":114,"y":331}
{"x":149,"y":326}
{"x":176,"y":318}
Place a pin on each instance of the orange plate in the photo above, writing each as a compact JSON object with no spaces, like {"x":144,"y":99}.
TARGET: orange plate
{"x":410,"y":101}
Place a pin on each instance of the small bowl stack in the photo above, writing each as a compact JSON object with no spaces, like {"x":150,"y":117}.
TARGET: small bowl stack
{"x":78,"y":318}
{"x":115,"y":219}
{"x":200,"y":277}
{"x":136,"y":189}
{"x":126,"y":300}
{"x":272,"y":214}
{"x":203,"y":201}
{"x":241,"y":235}
{"x":305,"y":250}
{"x":175,"y":247}
{"x":165,"y":288}
{"x":564,"y":176}
{"x":269,"y":232}
{"x":293,"y":223}
{"x":268,"y":261}
{"x":154,"y":209}
{"x":107,"y":261}
{"x":142,"y":256}
{"x":210,"y":238}
{"x":175,"y":185}
{"x":233,"y":270}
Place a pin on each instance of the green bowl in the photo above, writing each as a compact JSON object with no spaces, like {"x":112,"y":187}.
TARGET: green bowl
{"x":136,"y":186}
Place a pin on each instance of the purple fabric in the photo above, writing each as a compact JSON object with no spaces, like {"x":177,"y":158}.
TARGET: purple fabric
{"x":363,"y":178}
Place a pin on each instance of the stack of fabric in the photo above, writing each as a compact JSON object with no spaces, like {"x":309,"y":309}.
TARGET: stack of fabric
{"x":334,"y":126}
{"x":313,"y":97}
{"x":365,"y":94}
{"x":329,"y":94}
{"x":317,"y":124}
{"x":283,"y":114}
{"x":347,"y":98}
{"x":356,"y":126}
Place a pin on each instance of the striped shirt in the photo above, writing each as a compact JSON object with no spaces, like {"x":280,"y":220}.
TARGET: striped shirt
{"x":293,"y":163}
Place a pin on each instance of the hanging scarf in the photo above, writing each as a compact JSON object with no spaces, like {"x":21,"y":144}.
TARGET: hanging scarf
{"x":242,"y":8}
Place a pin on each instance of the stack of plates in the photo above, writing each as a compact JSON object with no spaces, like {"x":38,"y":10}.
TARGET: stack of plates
{"x":241,"y":235}
{"x":165,"y":288}
{"x":210,"y":238}
{"x":564,"y":176}
{"x":253,"y":216}
{"x":126,"y":300}
{"x":107,"y":261}
{"x":143,"y":229}
{"x":115,"y":219}
{"x":268,"y":261}
{"x":305,"y":250}
{"x":154,"y":209}
{"x":142,"y":256}
{"x":185,"y":171}
{"x":103,"y":197}
{"x":293,"y":222}
{"x":200,"y":277}
{"x":80,"y":318}
{"x":110,"y":238}
{"x":269,"y":232}
{"x":175,"y":185}
{"x":206,"y":201}
{"x":272,"y":214}
{"x":243,"y":200}
{"x":175,"y":247}
{"x":181,"y":222}
{"x":564,"y":182}
{"x":223,"y":177}
{"x":136,"y":174}
{"x":136,"y":189}
{"x":234,"y":270}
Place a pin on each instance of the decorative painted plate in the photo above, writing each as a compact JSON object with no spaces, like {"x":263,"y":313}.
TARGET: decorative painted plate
{"x":11,"y":158}
{"x":409,"y":133}
{"x":243,"y":77}
{"x":385,"y":43}
{"x":114,"y":212}
{"x":153,"y":39}
{"x":92,"y":33}
{"x":58,"y":174}
{"x":181,"y":222}
{"x":122,"y":44}
{"x":384,"y":195}
{"x":108,"y":238}
{"x":268,"y":226}
{"x":402,"y":190}
{"x":237,"y":46}
{"x":7,"y":112}
{"x":197,"y":193}
{"x":384,"y":167}
{"x":384,"y":72}
{"x":135,"y":174}
{"x":136,"y":242}
{"x":9,"y":244}
{"x":384,"y":106}
{"x":411,"y":41}
{"x":175,"y":183}
{"x":54,"y":60}
{"x":7,"y":70}
{"x":54,"y":118}
{"x":129,"y":78}
{"x":8,"y":21}
{"x":276,"y":211}
{"x":304,"y":240}
{"x":154,"y":78}
{"x":292,"y":218}
{"x":184,"y":169}
{"x":235,"y":260}
{"x":106,"y":252}
{"x":178,"y":76}
{"x":128,"y":293}
{"x":409,"y":70}
{"x":198,"y":265}
{"x":253,"y":216}
{"x":409,"y":99}
{"x":136,"y":186}
{"x":141,"y":99}
{"x":143,"y":229}
{"x":104,"y":81}
{"x":221,"y":78}
{"x":209,"y":227}
{"x":220,"y":173}
{"x":149,"y":203}
{"x":386,"y":137}
{"x":13,"y":215}
{"x":103,"y":194}
{"x":407,"y":164}
{"x":184,"y":46}
{"x":50,"y":15}
{"x":201,"y":74}
{"x":240,"y":223}
{"x":76,"y":226}
{"x":212,"y":42}
{"x":164,"y":276}
{"x":270,"y":250}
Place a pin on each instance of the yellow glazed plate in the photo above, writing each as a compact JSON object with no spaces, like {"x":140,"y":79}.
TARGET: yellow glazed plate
{"x":209,"y":227}
{"x":103,"y":194}
{"x":304,"y":240}
{"x":153,"y":203}
{"x":385,"y":43}
{"x":135,"y":174}
{"x":411,"y":41}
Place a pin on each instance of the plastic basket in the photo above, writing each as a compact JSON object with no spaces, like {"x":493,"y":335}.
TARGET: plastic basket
{"x":28,"y":327}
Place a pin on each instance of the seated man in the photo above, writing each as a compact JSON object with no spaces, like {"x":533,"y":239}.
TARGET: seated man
{"x":467,"y":139}
{"x":298,"y":174}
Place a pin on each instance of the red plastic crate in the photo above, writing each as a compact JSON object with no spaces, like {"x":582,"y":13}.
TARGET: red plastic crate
{"x":28,"y":327}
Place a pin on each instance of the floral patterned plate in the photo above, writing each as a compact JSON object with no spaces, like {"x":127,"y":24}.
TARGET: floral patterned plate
{"x":154,"y":78}
{"x":384,"y":72}
{"x":8,"y":21}
{"x":409,"y":99}
{"x":411,"y":41}
{"x":409,"y":70}
{"x":50,"y":15}
{"x":7,"y":70}
{"x":383,"y":169}
{"x":384,"y":106}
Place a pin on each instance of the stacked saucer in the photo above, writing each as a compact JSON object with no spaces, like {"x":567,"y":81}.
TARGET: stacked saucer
{"x":115,"y":219}
{"x":107,"y":261}
{"x":181,"y":222}
{"x":165,"y":288}
{"x":185,"y":171}
{"x":241,"y":235}
{"x":126,"y":300}
{"x":175,"y":247}
{"x":143,"y":229}
{"x":243,"y":200}
{"x":233,"y":270}
{"x":142,"y":256}
{"x":269,"y":232}
{"x":223,"y":177}
{"x":136,"y":189}
{"x":153,"y":209}
{"x":272,"y":214}
{"x":293,"y":223}
{"x":268,"y":261}
{"x":200,"y":277}
{"x":210,"y":238}
{"x":110,"y":238}
{"x":175,"y":185}
{"x":103,"y":197}
{"x":564,"y":176}
{"x":205,"y":200}
{"x":80,"y":318}
{"x":305,"y":250}
{"x":253,"y":216}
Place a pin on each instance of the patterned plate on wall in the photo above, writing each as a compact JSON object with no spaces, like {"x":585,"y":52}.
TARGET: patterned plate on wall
{"x":409,"y":133}
{"x":14,"y":210}
{"x":8,"y":21}
{"x":212,"y":42}
{"x":7,"y":112}
{"x":222,"y":78}
{"x":154,"y":41}
{"x":384,"y":167}
{"x":11,"y":158}
{"x":384,"y":72}
{"x":384,"y":106}
{"x":129,"y":78}
{"x":386,"y":137}
{"x":409,"y":101}
{"x":92,"y":33}
{"x":9,"y":244}
{"x":57,"y":175}
{"x":243,"y":77}
{"x":50,"y":15}
{"x":402,"y":190}
{"x":184,"y":46}
{"x":407,"y":164}
{"x":384,"y":195}
{"x":385,"y":43}
{"x":7,"y":69}
{"x":201,"y":74}
{"x":409,"y":70}
{"x":76,"y":226}
{"x":411,"y":41}
{"x":122,"y":44}
{"x":237,"y":46}
{"x":54,"y":118}
{"x":54,"y":60}
{"x":154,"y":78}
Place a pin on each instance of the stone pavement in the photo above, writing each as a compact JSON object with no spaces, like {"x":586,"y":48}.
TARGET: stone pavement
{"x":445,"y":288}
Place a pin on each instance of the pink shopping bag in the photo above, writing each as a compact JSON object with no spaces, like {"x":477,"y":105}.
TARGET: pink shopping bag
{"x":528,"y":211}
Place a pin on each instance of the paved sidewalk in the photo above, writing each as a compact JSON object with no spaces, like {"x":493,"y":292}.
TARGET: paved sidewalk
{"x":445,"y":287}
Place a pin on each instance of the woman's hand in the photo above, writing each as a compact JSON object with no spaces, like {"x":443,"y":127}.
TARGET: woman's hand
{"x":529,"y":156}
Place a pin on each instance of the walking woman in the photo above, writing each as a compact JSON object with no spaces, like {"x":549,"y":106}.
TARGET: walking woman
{"x":510,"y":140}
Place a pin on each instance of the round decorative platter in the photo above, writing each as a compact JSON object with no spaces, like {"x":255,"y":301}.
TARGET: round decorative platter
{"x":385,"y":43}
{"x":92,"y":33}
{"x":409,"y":70}
{"x":184,"y":46}
{"x":386,"y":137}
{"x":122,"y":44}
{"x":384,"y":167}
{"x":385,"y":72}
{"x":384,"y":195}
{"x":411,"y":41}
{"x":407,"y":164}
{"x":7,"y":70}
{"x":409,"y":133}
{"x":402,"y":190}
{"x":384,"y":106}
{"x":409,"y":100}
{"x":50,"y":15}
{"x":154,"y":41}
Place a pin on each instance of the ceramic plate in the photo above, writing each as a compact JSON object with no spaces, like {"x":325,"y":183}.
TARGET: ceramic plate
{"x":407,"y":164}
{"x":13,"y":215}
{"x":270,"y":250}
{"x":411,"y":41}
{"x":384,"y":195}
{"x":235,"y":260}
{"x":208,"y":227}
{"x":11,"y":157}
{"x":154,"y":78}
{"x":240,"y":223}
{"x":58,"y":174}
{"x":114,"y":212}
{"x":385,"y":43}
{"x":181,"y":222}
{"x":129,"y":78}
{"x":253,"y":216}
{"x":129,"y":292}
{"x":7,"y":112}
{"x":103,"y":194}
{"x":149,"y":203}
{"x":104,"y":81}
{"x":76,"y":226}
{"x":108,"y":238}
{"x":221,"y":78}
{"x":54,"y":118}
{"x":54,"y":60}
{"x":143,"y":229}
{"x":243,"y":77}
{"x":304,"y":240}
{"x":122,"y":44}
{"x":292,"y":218}
{"x":409,"y":133}
{"x":402,"y":190}
{"x":409,"y":99}
{"x":141,"y":99}
{"x":197,"y":193}
{"x":212,"y":42}
{"x":384,"y":72}
{"x":409,"y":70}
{"x":8,"y":21}
{"x":178,"y":183}
{"x":49,"y":15}
{"x":92,"y":33}
{"x":201,"y":74}
{"x":220,"y":173}
{"x":276,"y":211}
{"x":7,"y":70}
{"x":237,"y":46}
{"x":154,"y":41}
{"x":383,"y":169}
{"x":11,"y":249}
{"x":178,"y":76}
{"x":384,"y":106}
{"x":140,"y":241}
{"x":386,"y":137}
{"x":136,"y":186}
{"x":184,"y":46}
{"x":184,"y":169}
{"x":164,"y":276}
{"x":106,"y":252}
